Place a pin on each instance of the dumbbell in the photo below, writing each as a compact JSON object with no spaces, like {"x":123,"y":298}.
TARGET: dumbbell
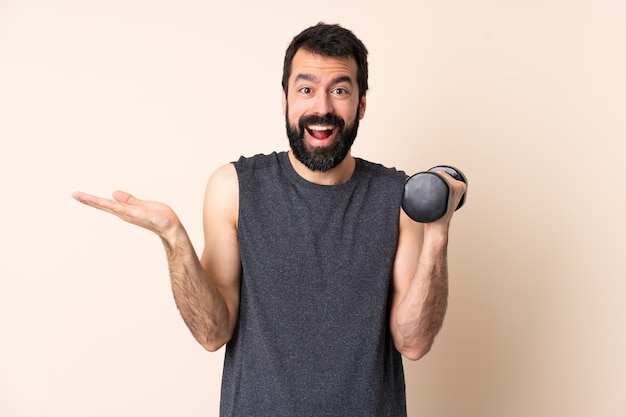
{"x":427,"y":194}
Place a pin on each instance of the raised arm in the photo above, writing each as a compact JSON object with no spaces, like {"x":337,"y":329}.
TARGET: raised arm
{"x":420,"y":280}
{"x":206,"y":290}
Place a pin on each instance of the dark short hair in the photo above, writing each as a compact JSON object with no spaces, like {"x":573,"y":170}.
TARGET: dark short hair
{"x":330,"y":41}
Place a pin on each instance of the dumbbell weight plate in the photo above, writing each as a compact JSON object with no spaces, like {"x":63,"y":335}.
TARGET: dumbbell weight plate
{"x":427,"y":194}
{"x":456,"y":174}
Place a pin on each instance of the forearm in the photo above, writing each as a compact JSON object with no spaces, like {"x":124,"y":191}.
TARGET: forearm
{"x":201,"y":306}
{"x":199,"y":291}
{"x":421,"y":311}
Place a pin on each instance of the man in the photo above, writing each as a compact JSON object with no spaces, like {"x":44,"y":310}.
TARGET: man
{"x":311,"y":273}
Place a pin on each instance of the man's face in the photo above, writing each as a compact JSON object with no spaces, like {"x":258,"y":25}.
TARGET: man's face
{"x":322,"y":109}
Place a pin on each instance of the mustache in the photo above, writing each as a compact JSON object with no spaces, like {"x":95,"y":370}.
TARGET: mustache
{"x":314,"y":119}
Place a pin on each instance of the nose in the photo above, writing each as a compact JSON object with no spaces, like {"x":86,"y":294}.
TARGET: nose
{"x":323,"y":104}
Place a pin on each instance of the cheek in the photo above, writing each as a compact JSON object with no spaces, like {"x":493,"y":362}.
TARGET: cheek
{"x":350,"y":115}
{"x":294,"y":112}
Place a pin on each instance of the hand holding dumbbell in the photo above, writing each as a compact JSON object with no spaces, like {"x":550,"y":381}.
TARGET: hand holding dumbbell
{"x":427,"y":194}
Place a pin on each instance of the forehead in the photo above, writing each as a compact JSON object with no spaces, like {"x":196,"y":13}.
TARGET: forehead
{"x":322,"y":67}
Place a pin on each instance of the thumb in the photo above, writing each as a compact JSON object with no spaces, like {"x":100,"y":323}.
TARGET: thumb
{"x":124,"y":197}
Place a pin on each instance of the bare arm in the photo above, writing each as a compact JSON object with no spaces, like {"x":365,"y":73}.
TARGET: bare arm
{"x":206,"y":292}
{"x":420,"y":280}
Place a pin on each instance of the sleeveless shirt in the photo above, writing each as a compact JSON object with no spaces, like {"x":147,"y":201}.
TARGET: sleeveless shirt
{"x":312,"y":337}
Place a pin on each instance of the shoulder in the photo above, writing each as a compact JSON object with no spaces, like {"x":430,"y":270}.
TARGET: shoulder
{"x":389,"y":181}
{"x":258,"y":161}
{"x":222,"y":192}
{"x":226,"y":182}
{"x":224,"y":176}
{"x":380,"y":170}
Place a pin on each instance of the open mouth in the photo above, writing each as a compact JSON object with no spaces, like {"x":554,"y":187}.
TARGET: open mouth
{"x":320,"y":131}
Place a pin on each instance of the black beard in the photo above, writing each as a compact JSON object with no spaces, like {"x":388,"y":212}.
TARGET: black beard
{"x":321,"y":158}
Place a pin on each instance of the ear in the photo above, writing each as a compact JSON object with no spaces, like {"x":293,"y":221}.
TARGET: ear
{"x":284,"y":103}
{"x":362,"y":106}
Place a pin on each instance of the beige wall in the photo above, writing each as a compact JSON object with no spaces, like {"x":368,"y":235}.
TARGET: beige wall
{"x":528,"y":98}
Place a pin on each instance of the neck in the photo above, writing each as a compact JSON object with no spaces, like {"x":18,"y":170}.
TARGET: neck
{"x":337,"y":175}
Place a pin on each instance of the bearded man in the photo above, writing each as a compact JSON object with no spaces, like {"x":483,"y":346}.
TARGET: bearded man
{"x":312,"y":275}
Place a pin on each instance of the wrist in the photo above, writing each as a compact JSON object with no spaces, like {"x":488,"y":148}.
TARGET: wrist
{"x":436,"y":233}
{"x":174,"y":235}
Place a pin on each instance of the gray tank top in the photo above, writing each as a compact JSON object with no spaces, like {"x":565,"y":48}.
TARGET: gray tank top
{"x":313,"y":337}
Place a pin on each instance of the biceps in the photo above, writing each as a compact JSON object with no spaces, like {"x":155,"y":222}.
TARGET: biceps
{"x":221,"y":258}
{"x":407,"y":257}
{"x":222,"y":263}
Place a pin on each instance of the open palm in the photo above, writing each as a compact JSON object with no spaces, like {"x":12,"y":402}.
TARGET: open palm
{"x":152,"y":215}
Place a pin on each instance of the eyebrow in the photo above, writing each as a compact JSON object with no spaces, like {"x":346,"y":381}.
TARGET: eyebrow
{"x":312,"y":78}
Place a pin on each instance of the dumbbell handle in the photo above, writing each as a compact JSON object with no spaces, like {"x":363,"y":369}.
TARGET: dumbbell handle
{"x":427,"y":194}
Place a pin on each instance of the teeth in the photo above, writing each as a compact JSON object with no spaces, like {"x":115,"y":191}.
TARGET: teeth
{"x":321,"y":127}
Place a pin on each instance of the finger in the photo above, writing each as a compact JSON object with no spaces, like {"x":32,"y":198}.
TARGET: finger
{"x":96,"y":202}
{"x":124,"y":197}
{"x":449,"y":178}
{"x":457,"y":185}
{"x":85,"y":198}
{"x":77,"y":195}
{"x":458,"y":189}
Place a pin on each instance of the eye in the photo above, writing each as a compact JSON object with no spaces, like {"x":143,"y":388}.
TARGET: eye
{"x":340,"y":91}
{"x":305,"y":90}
